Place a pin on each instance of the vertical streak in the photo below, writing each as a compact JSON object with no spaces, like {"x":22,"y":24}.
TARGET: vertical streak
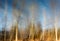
{"x":16,"y":32}
{"x":32,"y":8}
{"x":54,"y":11}
{"x":12,"y":29}
{"x":55,"y":23}
{"x":5,"y":15}
{"x":56,"y":27}
{"x":32,"y":20}
{"x":15,"y":16}
{"x":53,"y":5}
{"x":16,"y":26}
{"x":31,"y":29}
{"x":44,"y":15}
{"x":11,"y":33}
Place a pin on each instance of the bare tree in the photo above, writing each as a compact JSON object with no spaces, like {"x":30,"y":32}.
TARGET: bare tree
{"x":5,"y":20}
{"x":53,"y":6}
{"x":16,"y":15}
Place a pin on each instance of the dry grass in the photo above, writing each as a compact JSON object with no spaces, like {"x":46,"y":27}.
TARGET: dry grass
{"x":36,"y":35}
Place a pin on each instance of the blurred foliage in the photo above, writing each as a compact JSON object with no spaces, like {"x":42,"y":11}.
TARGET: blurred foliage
{"x":36,"y":33}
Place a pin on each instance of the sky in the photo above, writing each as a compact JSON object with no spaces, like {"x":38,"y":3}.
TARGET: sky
{"x":44,"y":12}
